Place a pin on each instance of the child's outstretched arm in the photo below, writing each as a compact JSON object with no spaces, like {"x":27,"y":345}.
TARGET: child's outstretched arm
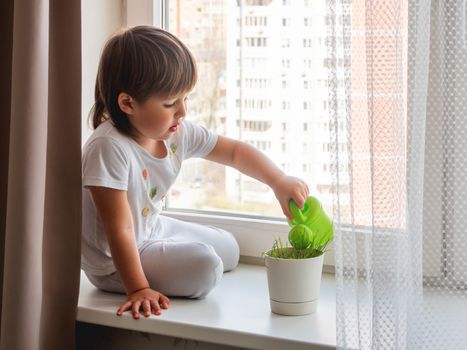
{"x":252,"y":162}
{"x":115,"y":213}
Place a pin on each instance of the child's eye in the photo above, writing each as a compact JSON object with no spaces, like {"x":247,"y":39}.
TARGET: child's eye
{"x":170,"y":105}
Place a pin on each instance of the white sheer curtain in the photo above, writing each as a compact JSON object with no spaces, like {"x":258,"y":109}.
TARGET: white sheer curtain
{"x":398,"y":109}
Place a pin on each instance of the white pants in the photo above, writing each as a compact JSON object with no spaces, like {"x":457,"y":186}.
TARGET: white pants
{"x":186,"y":260}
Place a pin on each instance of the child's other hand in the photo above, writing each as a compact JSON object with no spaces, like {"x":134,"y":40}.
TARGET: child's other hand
{"x":289,"y":187}
{"x":146,"y":299}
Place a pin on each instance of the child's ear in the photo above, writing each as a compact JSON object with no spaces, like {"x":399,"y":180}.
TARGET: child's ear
{"x":126,"y":103}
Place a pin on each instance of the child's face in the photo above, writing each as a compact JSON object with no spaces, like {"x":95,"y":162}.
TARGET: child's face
{"x":158,"y":118}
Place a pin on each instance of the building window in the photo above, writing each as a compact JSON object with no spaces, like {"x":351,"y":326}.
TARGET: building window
{"x":256,"y":42}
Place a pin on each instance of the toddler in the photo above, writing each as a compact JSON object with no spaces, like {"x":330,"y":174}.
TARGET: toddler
{"x":131,"y":160}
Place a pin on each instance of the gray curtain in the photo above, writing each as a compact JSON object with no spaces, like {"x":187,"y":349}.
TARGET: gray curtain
{"x":40,"y":176}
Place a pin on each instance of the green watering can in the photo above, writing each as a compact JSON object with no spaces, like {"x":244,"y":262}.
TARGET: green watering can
{"x":309,"y":226}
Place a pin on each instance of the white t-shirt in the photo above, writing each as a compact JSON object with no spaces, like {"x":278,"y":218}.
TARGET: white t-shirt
{"x":111,"y":159}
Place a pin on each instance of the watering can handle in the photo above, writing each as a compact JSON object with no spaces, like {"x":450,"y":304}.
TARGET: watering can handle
{"x":297,"y":214}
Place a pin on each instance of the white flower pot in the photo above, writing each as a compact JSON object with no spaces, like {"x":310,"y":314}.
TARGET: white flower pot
{"x":294,"y":284}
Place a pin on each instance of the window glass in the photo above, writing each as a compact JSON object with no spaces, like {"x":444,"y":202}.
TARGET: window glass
{"x":260,"y":84}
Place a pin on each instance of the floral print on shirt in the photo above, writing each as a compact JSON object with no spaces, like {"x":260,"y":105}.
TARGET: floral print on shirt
{"x":172,"y":149}
{"x":151,"y":191}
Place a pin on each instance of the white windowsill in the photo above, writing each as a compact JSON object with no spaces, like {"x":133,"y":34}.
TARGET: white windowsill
{"x":235,"y":313}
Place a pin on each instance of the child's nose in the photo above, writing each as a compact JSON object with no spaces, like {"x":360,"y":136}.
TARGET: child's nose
{"x":181,"y":110}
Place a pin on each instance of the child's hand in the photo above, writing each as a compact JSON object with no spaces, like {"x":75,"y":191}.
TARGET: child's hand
{"x":148,"y":300}
{"x":289,"y":187}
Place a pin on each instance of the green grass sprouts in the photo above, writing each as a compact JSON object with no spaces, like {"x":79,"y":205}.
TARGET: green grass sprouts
{"x":281,"y":251}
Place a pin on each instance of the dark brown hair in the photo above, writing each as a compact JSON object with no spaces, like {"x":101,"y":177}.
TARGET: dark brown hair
{"x":142,"y":61}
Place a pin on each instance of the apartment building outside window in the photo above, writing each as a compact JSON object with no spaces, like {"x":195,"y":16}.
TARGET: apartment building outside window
{"x":254,"y":86}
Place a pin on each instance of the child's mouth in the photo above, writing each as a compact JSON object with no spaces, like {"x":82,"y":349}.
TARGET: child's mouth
{"x":173,"y":128}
